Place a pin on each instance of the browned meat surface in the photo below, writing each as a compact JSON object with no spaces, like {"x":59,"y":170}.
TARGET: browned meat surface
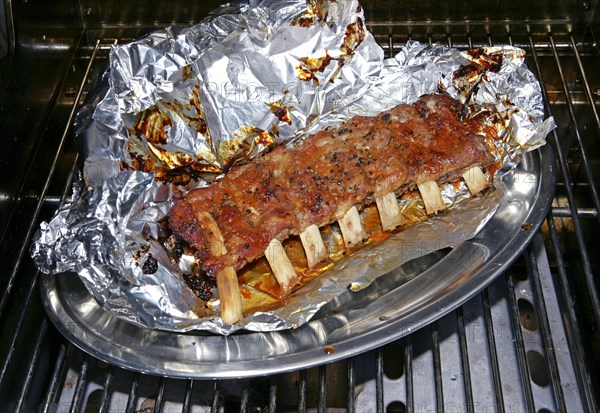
{"x":290,"y":188}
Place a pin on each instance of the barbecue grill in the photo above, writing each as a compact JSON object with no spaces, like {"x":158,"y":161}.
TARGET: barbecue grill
{"x":528,"y":342}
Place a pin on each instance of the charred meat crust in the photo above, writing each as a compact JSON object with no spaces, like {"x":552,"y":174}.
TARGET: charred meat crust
{"x":289,"y":189}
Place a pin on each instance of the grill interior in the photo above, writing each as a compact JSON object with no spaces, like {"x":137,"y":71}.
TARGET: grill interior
{"x":529,"y":342}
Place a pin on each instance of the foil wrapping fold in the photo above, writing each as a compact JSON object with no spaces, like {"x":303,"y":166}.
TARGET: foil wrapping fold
{"x":182,"y":106}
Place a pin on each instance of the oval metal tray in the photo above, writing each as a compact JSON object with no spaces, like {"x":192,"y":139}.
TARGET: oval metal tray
{"x":407,"y":298}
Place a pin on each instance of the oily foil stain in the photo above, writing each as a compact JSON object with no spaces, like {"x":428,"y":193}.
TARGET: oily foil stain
{"x":316,"y":11}
{"x":467,"y":76}
{"x":150,"y":134}
{"x":494,"y":124}
{"x":154,"y":124}
{"x":354,"y":35}
{"x":311,"y":65}
{"x":247,"y":142}
{"x":304,"y":74}
{"x":281,"y":112}
{"x":316,"y":64}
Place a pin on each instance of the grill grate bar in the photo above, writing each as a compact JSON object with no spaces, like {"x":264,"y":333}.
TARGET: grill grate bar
{"x":159,"y":403}
{"x":273,"y":395}
{"x":470,"y":41}
{"x":587,"y":268}
{"x":302,"y":392}
{"x":106,"y":389}
{"x":187,"y":400}
{"x":351,"y":383}
{"x":464,"y":358}
{"x":65,"y":197}
{"x":379,"y":380}
{"x":467,"y":23}
{"x":52,"y":200}
{"x":437,"y":367}
{"x":493,"y":353}
{"x":408,"y":374}
{"x":593,"y":32}
{"x":545,"y":328}
{"x":32,"y":364}
{"x":131,"y":398}
{"x":244,"y":400}
{"x":586,"y":83}
{"x":322,"y":388}
{"x":570,"y":322}
{"x":52,"y":390}
{"x":81,"y":382}
{"x":518,"y":334}
{"x":561,"y":212}
{"x":584,"y":156}
{"x":216,"y":397}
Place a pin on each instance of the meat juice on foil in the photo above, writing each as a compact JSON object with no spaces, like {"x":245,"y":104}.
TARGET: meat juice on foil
{"x":182,"y":106}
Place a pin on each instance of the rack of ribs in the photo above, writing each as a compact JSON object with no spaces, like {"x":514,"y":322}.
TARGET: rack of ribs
{"x":326,"y":178}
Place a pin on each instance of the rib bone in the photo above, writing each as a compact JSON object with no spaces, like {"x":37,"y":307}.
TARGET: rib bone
{"x":281,"y":265}
{"x":475,"y":180}
{"x":432,"y":197}
{"x":229,"y":294}
{"x":227,"y":281}
{"x":313,"y":245}
{"x":352,"y":229}
{"x":389,"y":211}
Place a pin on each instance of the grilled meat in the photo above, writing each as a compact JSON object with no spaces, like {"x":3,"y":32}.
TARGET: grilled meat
{"x":317,"y":182}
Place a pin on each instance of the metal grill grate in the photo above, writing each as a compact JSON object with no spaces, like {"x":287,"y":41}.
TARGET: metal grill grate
{"x":520,"y":345}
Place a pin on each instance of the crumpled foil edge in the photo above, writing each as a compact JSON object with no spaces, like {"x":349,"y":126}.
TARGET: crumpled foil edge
{"x":103,"y":233}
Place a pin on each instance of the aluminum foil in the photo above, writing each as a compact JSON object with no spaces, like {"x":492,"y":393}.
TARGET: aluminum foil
{"x":182,"y":106}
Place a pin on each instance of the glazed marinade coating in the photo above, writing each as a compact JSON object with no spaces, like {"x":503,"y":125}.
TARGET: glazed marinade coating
{"x":317,"y":182}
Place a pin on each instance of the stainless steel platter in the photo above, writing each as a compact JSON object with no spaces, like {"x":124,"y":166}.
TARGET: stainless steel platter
{"x":394,"y":305}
